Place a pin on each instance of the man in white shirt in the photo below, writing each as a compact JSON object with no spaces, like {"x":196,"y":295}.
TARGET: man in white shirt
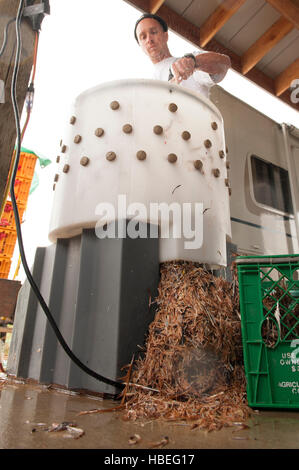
{"x":198,"y":71}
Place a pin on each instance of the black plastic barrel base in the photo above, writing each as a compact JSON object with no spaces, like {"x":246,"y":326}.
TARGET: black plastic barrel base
{"x":99,"y":292}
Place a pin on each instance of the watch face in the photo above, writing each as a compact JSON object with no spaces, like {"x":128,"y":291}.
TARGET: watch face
{"x":191,"y":56}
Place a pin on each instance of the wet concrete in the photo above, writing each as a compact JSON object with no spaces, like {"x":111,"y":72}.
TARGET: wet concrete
{"x":26,"y":410}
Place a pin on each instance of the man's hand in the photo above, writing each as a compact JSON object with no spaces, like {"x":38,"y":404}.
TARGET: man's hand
{"x":182,"y":69}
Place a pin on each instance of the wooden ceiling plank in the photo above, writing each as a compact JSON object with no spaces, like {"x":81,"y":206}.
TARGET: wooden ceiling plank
{"x":288,"y":9}
{"x":155,"y":5}
{"x":285,"y":78}
{"x":218,"y":18}
{"x":265,"y":43}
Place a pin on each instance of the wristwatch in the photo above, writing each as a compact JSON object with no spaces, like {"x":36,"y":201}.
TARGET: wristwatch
{"x":191,"y":56}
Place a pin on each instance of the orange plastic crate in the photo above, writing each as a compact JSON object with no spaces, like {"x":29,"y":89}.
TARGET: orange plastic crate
{"x":22,"y":189}
{"x":7,"y":220}
{"x":8,"y":240}
{"x":26,"y":165}
{"x":5,"y":264}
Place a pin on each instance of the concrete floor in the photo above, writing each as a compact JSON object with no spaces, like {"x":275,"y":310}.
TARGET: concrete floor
{"x":24,"y":407}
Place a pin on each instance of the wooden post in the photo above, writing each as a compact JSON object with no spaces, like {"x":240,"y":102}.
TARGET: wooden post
{"x":8,"y":10}
{"x":8,"y":294}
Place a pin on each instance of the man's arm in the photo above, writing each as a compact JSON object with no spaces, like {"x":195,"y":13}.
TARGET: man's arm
{"x":212,"y":63}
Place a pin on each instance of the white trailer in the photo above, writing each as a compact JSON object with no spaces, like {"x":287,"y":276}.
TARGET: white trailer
{"x":263,"y":158}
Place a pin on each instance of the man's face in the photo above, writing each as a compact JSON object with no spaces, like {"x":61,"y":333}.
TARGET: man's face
{"x":152,"y":39}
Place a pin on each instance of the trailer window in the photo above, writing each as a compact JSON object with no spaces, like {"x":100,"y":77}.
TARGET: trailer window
{"x":271,"y":185}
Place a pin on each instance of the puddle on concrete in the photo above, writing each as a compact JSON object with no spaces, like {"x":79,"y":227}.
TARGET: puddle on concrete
{"x":26,"y":407}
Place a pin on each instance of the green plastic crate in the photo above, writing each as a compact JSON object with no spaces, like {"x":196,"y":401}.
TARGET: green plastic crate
{"x":269,"y":306}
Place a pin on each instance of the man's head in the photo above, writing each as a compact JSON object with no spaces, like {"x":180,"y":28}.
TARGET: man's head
{"x":151,"y":33}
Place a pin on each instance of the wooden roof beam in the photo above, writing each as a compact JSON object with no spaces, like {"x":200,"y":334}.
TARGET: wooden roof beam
{"x":265,"y":43}
{"x":285,"y":78}
{"x":218,"y":18}
{"x":288,"y":9}
{"x":155,"y":5}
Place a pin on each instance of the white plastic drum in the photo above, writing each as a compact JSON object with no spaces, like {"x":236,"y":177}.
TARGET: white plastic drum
{"x":134,"y":144}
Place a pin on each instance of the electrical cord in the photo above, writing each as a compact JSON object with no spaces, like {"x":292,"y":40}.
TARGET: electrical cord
{"x":36,"y":290}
